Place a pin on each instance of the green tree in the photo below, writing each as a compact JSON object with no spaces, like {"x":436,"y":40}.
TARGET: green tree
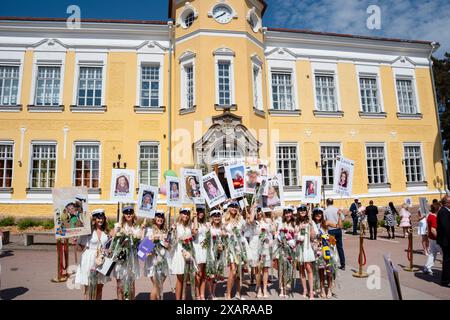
{"x":441,"y":70}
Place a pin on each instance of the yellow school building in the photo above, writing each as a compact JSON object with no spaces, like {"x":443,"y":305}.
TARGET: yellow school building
{"x":209,"y":84}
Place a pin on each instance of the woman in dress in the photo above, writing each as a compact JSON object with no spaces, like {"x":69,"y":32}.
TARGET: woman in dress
{"x":423,"y":231}
{"x":91,"y":246}
{"x":236,"y":248}
{"x":215,"y":262}
{"x":284,"y":247}
{"x":327,"y":259}
{"x":156,"y":265}
{"x":259,"y":253}
{"x":199,"y":229}
{"x":305,"y":253}
{"x":183,"y":259}
{"x":126,"y":234}
{"x":405,"y":221}
{"x":389,"y":220}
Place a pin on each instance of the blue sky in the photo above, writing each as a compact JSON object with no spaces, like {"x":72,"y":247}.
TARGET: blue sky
{"x":408,"y":19}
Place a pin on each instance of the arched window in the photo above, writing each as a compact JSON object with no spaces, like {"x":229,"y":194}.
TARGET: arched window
{"x":227,"y":150}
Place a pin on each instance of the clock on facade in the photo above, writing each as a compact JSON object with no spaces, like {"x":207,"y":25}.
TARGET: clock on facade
{"x":222,"y":13}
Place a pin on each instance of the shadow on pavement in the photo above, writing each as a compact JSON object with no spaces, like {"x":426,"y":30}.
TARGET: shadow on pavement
{"x":435,"y":278}
{"x":12,"y":293}
{"x":6,"y":253}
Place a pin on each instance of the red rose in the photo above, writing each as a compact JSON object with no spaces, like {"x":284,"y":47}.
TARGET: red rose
{"x":186,"y":241}
{"x":298,"y":242}
{"x":263,"y":229}
{"x":214,"y":237}
{"x":289,"y":258}
{"x":190,"y":239}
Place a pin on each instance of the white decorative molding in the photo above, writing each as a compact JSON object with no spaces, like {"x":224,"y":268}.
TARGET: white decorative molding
{"x":187,"y":9}
{"x":403,"y":62}
{"x":224,"y":3}
{"x":22,"y":137}
{"x":281,"y":54}
{"x":65,"y":131}
{"x":256,"y":60}
{"x":308,"y":132}
{"x":224,"y":52}
{"x":394,"y":134}
{"x":53,"y":45}
{"x":187,"y":55}
{"x":353,"y":132}
{"x":252,"y":13}
{"x":151,"y":47}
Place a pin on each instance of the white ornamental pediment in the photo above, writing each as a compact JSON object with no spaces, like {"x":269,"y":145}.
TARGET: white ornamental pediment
{"x":280,"y":54}
{"x":52,"y":45}
{"x":187,"y":55}
{"x":224,"y":52}
{"x":151,"y":47}
{"x":403,"y":62}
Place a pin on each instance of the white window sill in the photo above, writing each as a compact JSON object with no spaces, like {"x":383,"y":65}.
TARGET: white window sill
{"x":151,"y":110}
{"x":417,"y":186}
{"x":379,"y":188}
{"x":187,"y":110}
{"x":407,"y":116}
{"x":328,"y":114}
{"x":88,"y":109}
{"x":33,"y":108}
{"x":372,"y":115}
{"x":6,"y":193}
{"x":39,"y":193}
{"x":13,"y":108}
{"x":285,"y":113}
{"x":219,"y":107}
{"x":259,"y":111}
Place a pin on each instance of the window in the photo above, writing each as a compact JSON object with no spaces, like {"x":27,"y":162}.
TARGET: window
{"x":189,"y":71}
{"x":405,"y":94}
{"x":286,"y":159}
{"x":224,"y":83}
{"x":282,"y":91}
{"x":90,"y":86}
{"x":6,"y":165}
{"x":369,"y":95}
{"x":328,"y":155}
{"x":87,"y":165}
{"x":9,"y":85}
{"x":413,"y":164}
{"x":48,"y":85}
{"x":150,"y":86}
{"x":257,"y":87}
{"x":376,"y":165}
{"x":149,"y":164}
{"x":326,"y":93}
{"x":189,"y":20}
{"x":43,"y":165}
{"x":227,"y":150}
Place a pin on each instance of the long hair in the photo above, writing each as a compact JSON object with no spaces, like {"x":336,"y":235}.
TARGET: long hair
{"x":299,"y":219}
{"x":227,"y":217}
{"x":104,"y":227}
{"x":393,"y":210}
{"x":322,"y":220}
{"x":126,"y":180}
{"x":180,"y":222}
{"x":156,"y":228}
{"x":283,"y":219}
{"x":123,"y":221}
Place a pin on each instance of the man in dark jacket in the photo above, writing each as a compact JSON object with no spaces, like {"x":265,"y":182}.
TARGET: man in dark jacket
{"x":443,"y":238}
{"x":354,"y":211}
{"x":372,"y":220}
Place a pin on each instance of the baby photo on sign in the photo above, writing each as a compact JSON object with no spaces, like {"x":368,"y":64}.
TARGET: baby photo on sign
{"x":192,"y":192}
{"x":212,"y":190}
{"x":173,"y":192}
{"x":235,"y":177}
{"x":343,"y":176}
{"x":71,"y":212}
{"x":147,"y":201}
{"x":122,"y":185}
{"x":251,"y":179}
{"x":311,"y":186}
{"x":275,"y":196}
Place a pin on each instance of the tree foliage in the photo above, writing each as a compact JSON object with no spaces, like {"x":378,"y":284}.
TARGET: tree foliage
{"x":441,"y":70}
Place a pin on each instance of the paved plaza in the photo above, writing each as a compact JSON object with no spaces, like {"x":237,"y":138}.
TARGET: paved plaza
{"x":26,"y":274}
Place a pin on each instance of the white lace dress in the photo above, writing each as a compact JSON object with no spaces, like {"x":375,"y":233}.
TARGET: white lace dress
{"x":260,"y":247}
{"x":177,"y":259}
{"x":304,"y":247}
{"x":87,"y":261}
{"x":151,"y":260}
{"x":122,"y":268}
{"x":200,"y":251}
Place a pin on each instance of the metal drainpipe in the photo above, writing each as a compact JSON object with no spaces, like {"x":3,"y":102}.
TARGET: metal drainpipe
{"x":434,"y":47}
{"x":169,"y":111}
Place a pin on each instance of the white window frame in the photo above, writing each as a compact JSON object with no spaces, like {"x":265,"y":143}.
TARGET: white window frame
{"x":144,"y":144}
{"x":9,"y":143}
{"x":148,"y":59}
{"x":228,"y":57}
{"x":386,"y":162}
{"x":89,"y":59}
{"x":154,"y":65}
{"x":16,"y":59}
{"x":48,"y":59}
{"x":257,"y":83}
{"x":284,"y":66}
{"x":326,"y":69}
{"x":406,"y":74}
{"x":87,"y":143}
{"x":30,"y":169}
{"x":415,"y":144}
{"x":298,"y":166}
{"x":189,"y":61}
{"x":364,"y":71}
{"x":329,"y":144}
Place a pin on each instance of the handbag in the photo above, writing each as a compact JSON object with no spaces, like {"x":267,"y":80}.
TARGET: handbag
{"x":107,"y":266}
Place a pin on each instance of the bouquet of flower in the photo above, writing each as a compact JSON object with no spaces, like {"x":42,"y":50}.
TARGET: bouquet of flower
{"x":263,"y":244}
{"x":286,"y":255}
{"x":93,"y":282}
{"x":160,"y":264}
{"x":215,"y":264}
{"x":190,"y":266}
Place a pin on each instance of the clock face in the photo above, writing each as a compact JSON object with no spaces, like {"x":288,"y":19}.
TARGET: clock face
{"x":222,"y":14}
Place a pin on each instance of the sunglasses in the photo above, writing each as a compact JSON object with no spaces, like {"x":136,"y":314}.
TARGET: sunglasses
{"x":128,"y":213}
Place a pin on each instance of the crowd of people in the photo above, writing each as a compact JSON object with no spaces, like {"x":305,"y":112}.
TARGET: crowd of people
{"x":204,"y":248}
{"x":433,"y":229}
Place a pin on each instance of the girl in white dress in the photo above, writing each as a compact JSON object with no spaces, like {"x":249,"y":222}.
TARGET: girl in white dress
{"x":157,"y":263}
{"x":216,"y":257}
{"x":260,"y":245}
{"x":90,"y":245}
{"x":237,"y":248}
{"x":183,"y":252}
{"x":305,"y":253}
{"x":284,"y":246}
{"x":127,"y":268}
{"x":199,"y":229}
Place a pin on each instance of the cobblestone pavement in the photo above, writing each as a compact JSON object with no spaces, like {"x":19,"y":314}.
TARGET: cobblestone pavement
{"x":26,"y":274}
